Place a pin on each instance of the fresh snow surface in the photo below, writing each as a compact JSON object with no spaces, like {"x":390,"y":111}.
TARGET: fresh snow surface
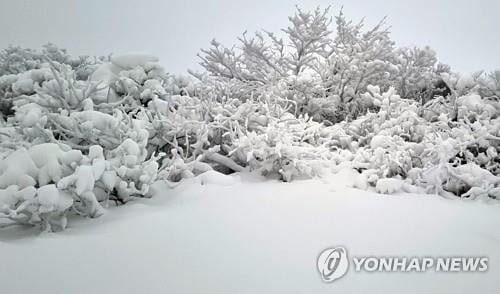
{"x":243,"y":234}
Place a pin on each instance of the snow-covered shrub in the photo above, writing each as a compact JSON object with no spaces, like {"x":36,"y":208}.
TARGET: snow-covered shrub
{"x":443,"y":154}
{"x":43,"y":184}
{"x":324,"y":74}
{"x":288,"y":147}
{"x":190,"y":129}
{"x":27,"y":72}
{"x":16,"y":60}
{"x":359,"y":57}
{"x":418,"y":73}
{"x":140,"y":78}
{"x":180,"y":85}
{"x":489,"y":86}
{"x":96,"y":150}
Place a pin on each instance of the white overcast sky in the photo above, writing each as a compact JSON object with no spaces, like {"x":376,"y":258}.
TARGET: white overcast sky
{"x":465,"y":33}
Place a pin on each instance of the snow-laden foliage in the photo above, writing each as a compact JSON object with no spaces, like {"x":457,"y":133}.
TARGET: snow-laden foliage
{"x":325,"y":70}
{"x":77,"y":135}
{"x":23,"y":69}
{"x":286,"y":146}
{"x":15,"y":60}
{"x":41,"y":184}
{"x":449,"y":154}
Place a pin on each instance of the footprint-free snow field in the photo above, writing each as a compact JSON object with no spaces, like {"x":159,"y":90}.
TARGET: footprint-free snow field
{"x":244,"y":234}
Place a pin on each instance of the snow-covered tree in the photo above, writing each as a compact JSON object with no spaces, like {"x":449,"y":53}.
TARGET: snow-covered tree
{"x":324,"y":73}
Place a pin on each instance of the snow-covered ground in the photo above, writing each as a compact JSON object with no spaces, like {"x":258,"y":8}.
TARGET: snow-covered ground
{"x":248,"y":235}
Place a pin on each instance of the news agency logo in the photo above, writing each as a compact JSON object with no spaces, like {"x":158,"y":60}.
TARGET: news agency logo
{"x":333,"y":263}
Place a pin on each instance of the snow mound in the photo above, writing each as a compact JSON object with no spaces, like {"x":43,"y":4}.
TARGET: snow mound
{"x":394,"y":185}
{"x":215,"y":178}
{"x":466,"y":81}
{"x":381,"y":141}
{"x":348,"y":178}
{"x":17,"y":165}
{"x":130,"y":61}
{"x":108,"y":72}
{"x":472,"y":102}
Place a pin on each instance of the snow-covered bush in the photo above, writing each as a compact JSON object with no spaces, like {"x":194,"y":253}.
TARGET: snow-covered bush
{"x":359,"y":58}
{"x":444,"y":155}
{"x":43,"y":184}
{"x":16,"y":60}
{"x":288,"y":147}
{"x":96,"y":150}
{"x":418,"y":73}
{"x":325,"y":74}
{"x":23,"y":71}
